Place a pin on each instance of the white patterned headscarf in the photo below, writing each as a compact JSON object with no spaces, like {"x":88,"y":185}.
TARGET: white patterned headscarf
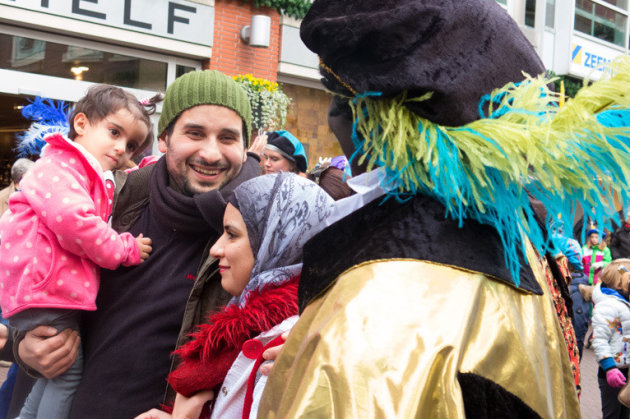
{"x":282,"y":211}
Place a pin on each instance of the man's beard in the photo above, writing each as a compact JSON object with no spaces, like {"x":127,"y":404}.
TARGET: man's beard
{"x":184,"y":186}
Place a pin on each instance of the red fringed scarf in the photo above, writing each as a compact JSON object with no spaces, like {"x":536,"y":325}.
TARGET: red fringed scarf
{"x":207,"y":358}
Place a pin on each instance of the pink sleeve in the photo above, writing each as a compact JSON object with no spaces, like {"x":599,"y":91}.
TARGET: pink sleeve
{"x":132,"y":257}
{"x":58,"y":192}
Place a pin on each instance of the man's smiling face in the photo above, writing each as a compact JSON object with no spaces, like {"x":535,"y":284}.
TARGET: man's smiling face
{"x":205,"y":148}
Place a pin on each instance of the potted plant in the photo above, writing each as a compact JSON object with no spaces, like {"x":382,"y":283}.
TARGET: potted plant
{"x":268,"y":101}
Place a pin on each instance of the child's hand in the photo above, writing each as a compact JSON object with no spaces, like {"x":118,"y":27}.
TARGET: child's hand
{"x":615,"y":378}
{"x":144,"y":244}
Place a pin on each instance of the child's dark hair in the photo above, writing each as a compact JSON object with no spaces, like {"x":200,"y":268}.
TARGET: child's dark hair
{"x":331,"y":180}
{"x":103,"y":99}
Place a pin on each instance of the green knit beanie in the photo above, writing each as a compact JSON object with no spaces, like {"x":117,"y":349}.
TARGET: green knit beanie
{"x":205,"y":87}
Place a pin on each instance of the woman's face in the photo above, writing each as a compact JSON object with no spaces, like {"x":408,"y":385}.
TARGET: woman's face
{"x":234,"y":252}
{"x":273,"y":162}
{"x":593,"y":239}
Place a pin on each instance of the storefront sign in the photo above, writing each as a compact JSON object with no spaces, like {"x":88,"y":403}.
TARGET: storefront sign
{"x":588,"y":57}
{"x":181,"y":20}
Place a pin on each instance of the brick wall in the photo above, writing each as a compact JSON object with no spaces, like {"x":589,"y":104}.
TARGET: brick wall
{"x":230,"y":54}
{"x":308,"y":121}
{"x":307,"y":118}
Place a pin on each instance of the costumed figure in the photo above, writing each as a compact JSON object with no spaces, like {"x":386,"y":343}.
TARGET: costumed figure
{"x":595,"y":256}
{"x":432,"y":294}
{"x":280,"y":213}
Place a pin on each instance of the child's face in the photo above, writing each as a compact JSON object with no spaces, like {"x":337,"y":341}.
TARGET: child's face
{"x":112,"y":140}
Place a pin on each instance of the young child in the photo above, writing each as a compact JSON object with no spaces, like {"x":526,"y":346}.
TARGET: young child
{"x":56,"y":234}
{"x":611,"y":334}
{"x":595,"y":256}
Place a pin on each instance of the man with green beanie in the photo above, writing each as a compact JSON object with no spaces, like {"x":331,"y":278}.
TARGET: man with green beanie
{"x":178,"y":202}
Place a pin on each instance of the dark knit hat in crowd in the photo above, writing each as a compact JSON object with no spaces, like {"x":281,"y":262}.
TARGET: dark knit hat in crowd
{"x":289,"y":147}
{"x":205,"y":87}
{"x":459,"y":50}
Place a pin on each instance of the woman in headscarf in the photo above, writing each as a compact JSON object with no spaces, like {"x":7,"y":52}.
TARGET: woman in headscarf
{"x":267,"y":221}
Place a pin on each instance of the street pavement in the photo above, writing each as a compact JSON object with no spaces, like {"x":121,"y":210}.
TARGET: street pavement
{"x":590,"y":401}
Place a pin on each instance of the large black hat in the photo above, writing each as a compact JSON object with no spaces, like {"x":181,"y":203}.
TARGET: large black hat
{"x":458,"y":49}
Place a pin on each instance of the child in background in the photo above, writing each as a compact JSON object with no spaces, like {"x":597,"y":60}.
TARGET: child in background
{"x":596,"y":256}
{"x":56,"y":234}
{"x":611,"y":334}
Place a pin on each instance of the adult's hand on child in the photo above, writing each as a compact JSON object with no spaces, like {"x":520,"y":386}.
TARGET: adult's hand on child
{"x":615,"y":378}
{"x":47,"y":352}
{"x":144,"y":244}
{"x":271,"y":354}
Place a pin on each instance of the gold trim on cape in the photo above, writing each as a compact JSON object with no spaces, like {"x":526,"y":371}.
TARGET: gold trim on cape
{"x":389,"y":337}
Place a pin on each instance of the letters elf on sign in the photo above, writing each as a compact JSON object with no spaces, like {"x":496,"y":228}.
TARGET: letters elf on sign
{"x":177,"y":19}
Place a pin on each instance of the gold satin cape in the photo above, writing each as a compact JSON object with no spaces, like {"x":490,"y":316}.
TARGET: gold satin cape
{"x":388,"y":338}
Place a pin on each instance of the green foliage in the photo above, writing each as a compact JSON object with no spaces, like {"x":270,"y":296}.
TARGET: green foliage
{"x":293,"y":8}
{"x":571,"y":84}
{"x":269,"y":103}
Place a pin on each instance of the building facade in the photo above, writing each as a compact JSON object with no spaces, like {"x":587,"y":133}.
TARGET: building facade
{"x":57,"y":49}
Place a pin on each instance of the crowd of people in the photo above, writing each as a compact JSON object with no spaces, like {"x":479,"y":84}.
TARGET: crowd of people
{"x":420,"y":275}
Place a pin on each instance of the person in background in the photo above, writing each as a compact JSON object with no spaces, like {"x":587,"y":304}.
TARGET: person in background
{"x":578,"y":286}
{"x":611,"y":332}
{"x":330,"y":177}
{"x":266,"y":223}
{"x":59,"y":219}
{"x":595,"y":256}
{"x":18,"y":170}
{"x":620,"y":240}
{"x":284,"y":153}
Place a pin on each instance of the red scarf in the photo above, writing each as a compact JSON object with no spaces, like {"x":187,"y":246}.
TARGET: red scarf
{"x":207,"y":358}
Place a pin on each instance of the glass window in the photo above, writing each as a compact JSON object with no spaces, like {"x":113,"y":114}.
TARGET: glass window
{"x":67,"y":61}
{"x":180,"y":70}
{"x":601,"y":21}
{"x":530,"y":13}
{"x":622,"y":4}
{"x":550,"y":14}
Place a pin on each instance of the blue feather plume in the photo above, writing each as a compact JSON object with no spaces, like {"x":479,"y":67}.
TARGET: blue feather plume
{"x":48,"y":117}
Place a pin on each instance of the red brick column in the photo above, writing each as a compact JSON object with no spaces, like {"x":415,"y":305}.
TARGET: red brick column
{"x":230,"y":54}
